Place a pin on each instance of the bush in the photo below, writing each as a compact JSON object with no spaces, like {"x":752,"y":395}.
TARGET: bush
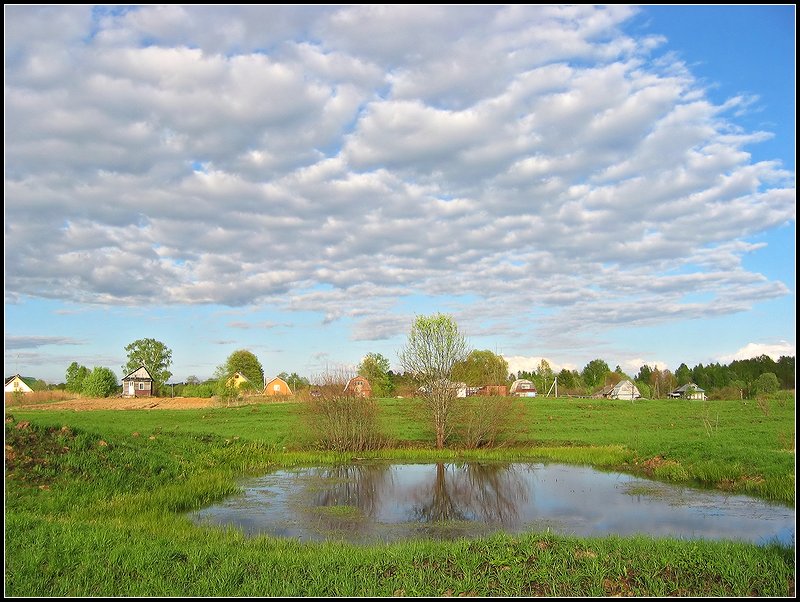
{"x":339,"y":422}
{"x":101,"y":382}
{"x":489,"y":421}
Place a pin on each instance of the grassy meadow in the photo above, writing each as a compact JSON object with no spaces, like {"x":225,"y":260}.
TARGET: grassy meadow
{"x":95,"y":503}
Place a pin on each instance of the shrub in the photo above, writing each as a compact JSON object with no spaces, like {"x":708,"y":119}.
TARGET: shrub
{"x":489,"y":421}
{"x":339,"y":422}
{"x":101,"y":382}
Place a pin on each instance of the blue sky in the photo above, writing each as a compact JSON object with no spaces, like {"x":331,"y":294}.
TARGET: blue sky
{"x":568,"y":182}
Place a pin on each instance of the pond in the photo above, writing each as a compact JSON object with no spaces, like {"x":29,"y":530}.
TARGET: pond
{"x":380,"y":502}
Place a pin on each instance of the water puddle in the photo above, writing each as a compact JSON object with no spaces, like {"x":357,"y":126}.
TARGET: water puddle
{"x":375,"y":502}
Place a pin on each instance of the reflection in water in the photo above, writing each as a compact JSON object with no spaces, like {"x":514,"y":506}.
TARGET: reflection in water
{"x":368,"y":502}
{"x":487,"y":492}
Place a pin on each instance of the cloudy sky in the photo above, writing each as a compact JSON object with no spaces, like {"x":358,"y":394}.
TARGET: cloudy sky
{"x":567,"y":182}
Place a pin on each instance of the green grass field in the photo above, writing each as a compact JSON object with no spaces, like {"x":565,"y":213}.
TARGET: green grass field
{"x":95,"y":503}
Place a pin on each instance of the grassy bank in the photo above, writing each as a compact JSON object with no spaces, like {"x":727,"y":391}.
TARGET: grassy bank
{"x":94,"y":504}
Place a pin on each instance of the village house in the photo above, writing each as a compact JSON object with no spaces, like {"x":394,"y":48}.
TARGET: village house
{"x":624,"y":389}
{"x":19,"y":384}
{"x":237,"y":380}
{"x":138,"y":383}
{"x":277,"y":387}
{"x":358,"y":386}
{"x":689,"y":391}
{"x":523,"y":388}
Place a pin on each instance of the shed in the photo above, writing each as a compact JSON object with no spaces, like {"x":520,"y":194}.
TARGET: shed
{"x":277,"y":387}
{"x":138,"y":383}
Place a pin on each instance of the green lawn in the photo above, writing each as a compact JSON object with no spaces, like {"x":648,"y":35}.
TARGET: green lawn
{"x":94,"y":504}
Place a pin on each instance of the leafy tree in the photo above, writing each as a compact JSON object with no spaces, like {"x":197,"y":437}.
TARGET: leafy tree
{"x":594,"y":373}
{"x":247,"y":363}
{"x":101,"y":382}
{"x":644,"y":373}
{"x":375,"y":368}
{"x":153,"y":355}
{"x":684,"y":375}
{"x":785,"y":371}
{"x":767,"y":383}
{"x":545,"y":376}
{"x":75,"y":376}
{"x":482,"y":368}
{"x":434,"y":347}
{"x":644,"y":388}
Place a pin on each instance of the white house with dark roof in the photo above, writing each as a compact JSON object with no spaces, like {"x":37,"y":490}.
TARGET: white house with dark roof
{"x":689,"y":391}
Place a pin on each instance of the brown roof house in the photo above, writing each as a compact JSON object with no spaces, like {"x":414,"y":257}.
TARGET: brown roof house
{"x":358,"y":386}
{"x":278,"y":387}
{"x":138,"y":383}
{"x":522,"y":387}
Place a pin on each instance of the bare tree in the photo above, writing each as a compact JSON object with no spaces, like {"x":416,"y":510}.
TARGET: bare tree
{"x":434,"y":347}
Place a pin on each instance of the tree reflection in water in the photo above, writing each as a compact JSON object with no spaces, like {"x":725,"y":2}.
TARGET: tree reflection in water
{"x":491,"y":493}
{"x":355,"y":489}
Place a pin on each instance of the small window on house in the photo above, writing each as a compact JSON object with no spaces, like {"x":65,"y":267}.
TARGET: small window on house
{"x":141,"y":386}
{"x":276,"y":388}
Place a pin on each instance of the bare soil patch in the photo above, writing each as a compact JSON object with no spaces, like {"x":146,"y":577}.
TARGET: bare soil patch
{"x":120,"y":403}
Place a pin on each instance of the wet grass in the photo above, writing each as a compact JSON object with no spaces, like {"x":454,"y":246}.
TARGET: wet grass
{"x":94,"y":504}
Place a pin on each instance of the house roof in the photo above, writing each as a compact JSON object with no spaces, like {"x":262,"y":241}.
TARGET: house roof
{"x":522,"y":384}
{"x":355,"y":378}
{"x":28,"y":380}
{"x":685,"y":388}
{"x":273,"y":379}
{"x":134,"y":375}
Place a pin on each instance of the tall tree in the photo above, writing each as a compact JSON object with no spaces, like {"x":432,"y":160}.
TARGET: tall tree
{"x":683,"y":374}
{"x":375,"y":368}
{"x":435,"y":345}
{"x":482,"y":368}
{"x":245,"y":362}
{"x":153,"y":355}
{"x":75,"y":376}
{"x":594,"y":373}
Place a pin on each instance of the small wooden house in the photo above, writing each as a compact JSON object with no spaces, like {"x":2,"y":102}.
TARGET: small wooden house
{"x":18,"y":384}
{"x":138,"y":383}
{"x":358,"y":386}
{"x":277,"y":387}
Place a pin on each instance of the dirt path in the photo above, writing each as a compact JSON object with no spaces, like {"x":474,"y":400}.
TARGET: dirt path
{"x":121,"y":403}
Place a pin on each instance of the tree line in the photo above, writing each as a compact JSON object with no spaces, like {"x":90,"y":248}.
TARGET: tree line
{"x":741,"y":378}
